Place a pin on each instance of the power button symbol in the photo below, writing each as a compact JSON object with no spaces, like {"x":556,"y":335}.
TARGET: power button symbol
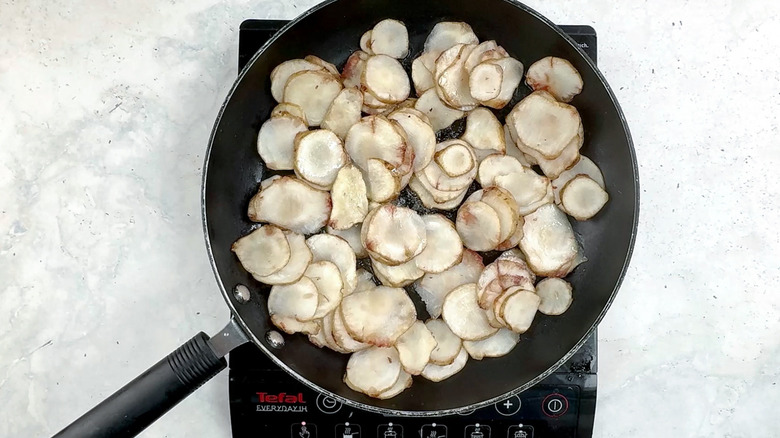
{"x":328,"y":405}
{"x":555,"y":405}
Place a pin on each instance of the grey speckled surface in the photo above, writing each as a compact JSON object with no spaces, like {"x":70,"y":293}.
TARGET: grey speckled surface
{"x":105,"y":110}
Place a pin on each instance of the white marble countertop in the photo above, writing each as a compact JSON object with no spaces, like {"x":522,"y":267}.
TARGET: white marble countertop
{"x":105,"y":111}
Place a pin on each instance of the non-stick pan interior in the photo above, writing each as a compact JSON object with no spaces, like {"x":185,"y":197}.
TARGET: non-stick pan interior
{"x":332,"y":32}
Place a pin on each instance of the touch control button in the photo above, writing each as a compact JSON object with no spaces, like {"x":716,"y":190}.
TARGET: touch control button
{"x":508,"y":407}
{"x":328,"y":405}
{"x":555,"y":405}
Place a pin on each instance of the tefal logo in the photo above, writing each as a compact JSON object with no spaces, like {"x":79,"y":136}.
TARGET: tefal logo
{"x":282,"y":397}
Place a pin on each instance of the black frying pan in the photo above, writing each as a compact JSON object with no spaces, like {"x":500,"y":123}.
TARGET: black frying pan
{"x":233,"y":170}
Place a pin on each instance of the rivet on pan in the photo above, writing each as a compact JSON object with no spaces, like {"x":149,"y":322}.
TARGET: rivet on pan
{"x":275,"y":339}
{"x":241,"y":293}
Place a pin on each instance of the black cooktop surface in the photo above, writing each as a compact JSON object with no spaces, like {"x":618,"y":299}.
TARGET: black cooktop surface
{"x":266,"y":402}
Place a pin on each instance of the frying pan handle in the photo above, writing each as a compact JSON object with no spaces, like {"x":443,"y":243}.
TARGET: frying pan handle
{"x":139,"y":403}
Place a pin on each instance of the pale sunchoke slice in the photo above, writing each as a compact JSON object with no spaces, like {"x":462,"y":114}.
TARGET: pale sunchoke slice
{"x":443,"y":248}
{"x":378,"y":316}
{"x":350,"y":203}
{"x":484,"y":133}
{"x":373,"y":370}
{"x":415,"y":347}
{"x":437,"y":373}
{"x":432,"y":288}
{"x":548,"y":242}
{"x":497,"y":345}
{"x":495,"y":165}
{"x":568,"y":157}
{"x":264,"y":251}
{"x":478,"y":226}
{"x":544,"y":125}
{"x":352,"y":236}
{"x":292,"y":204}
{"x":498,"y":304}
{"x":422,"y":72}
{"x":289,"y":109}
{"x":440,"y":115}
{"x":365,"y":42}
{"x":513,"y":151}
{"x":382,"y":183}
{"x":555,"y":294}
{"x":501,"y":275}
{"x":519,"y":310}
{"x":394,"y":235}
{"x":404,"y":381}
{"x":455,"y":160}
{"x":318,"y":338}
{"x":343,"y":112}
{"x":375,"y":137}
{"x":452,"y":84}
{"x":427,"y":199}
{"x":419,"y":136}
{"x":352,"y":73}
{"x":397,"y":276}
{"x":276,"y":141}
{"x":323,"y":63}
{"x":448,"y":344}
{"x":390,"y":37}
{"x":365,"y":281}
{"x":486,"y":50}
{"x":529,"y":189}
{"x":295,"y":300}
{"x":556,"y":76}
{"x":505,"y":206}
{"x":485,"y":81}
{"x":446,"y":34}
{"x":583,"y":198}
{"x":463,"y":315}
{"x":440,"y":196}
{"x":300,"y":257}
{"x":282,"y":73}
{"x":584,"y":166}
{"x":514,"y":239}
{"x":385,"y":78}
{"x":510,"y":79}
{"x":327,"y":278}
{"x":341,"y":335}
{"x":313,"y":91}
{"x":336,"y":250}
{"x":319,"y":155}
{"x":327,"y":330}
{"x":440,"y":180}
{"x":291,"y":325}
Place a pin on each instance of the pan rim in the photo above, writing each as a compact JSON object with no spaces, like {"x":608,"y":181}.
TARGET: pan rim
{"x":451,"y":411}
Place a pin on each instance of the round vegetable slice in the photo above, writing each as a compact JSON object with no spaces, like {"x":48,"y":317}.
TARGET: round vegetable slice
{"x":323,"y":63}
{"x":455,"y":160}
{"x":485,"y":51}
{"x":556,"y":76}
{"x":404,"y":381}
{"x":327,"y":330}
{"x":352,"y":236}
{"x":448,"y":345}
{"x":555,"y":295}
{"x":353,"y":69}
{"x":478,"y":226}
{"x":548,"y":242}
{"x":463,"y":315}
{"x":432,"y":288}
{"x":289,"y":109}
{"x":544,"y":125}
{"x":389,"y":37}
{"x":291,"y":325}
{"x":367,"y":319}
{"x":427,"y":198}
{"x":295,"y":300}
{"x":422,"y":72}
{"x":485,"y":81}
{"x":437,"y":373}
{"x":318,"y":338}
{"x":505,"y":206}
{"x":440,"y":115}
{"x":343,"y":112}
{"x":441,"y":196}
{"x":519,"y":310}
{"x":375,"y":137}
{"x":452,"y":83}
{"x":583,"y":166}
{"x":444,"y":247}
{"x":373,"y":370}
{"x":397,"y":276}
{"x":336,"y":250}
{"x":319,"y":155}
{"x":415,"y":347}
{"x":484,"y":133}
{"x":300,"y":257}
{"x":419,"y":136}
{"x":348,"y":195}
{"x":446,"y":34}
{"x":292,"y":204}
{"x":382,"y":183}
{"x":394,"y":235}
{"x":385,"y":78}
{"x":342,"y":337}
{"x":512,"y":75}
{"x":500,"y":276}
{"x":276,"y":141}
{"x":264,"y":251}
{"x":440,"y":180}
{"x":327,"y":278}
{"x":313,"y":91}
{"x":282,"y":72}
{"x":496,"y":345}
{"x":583,"y":198}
